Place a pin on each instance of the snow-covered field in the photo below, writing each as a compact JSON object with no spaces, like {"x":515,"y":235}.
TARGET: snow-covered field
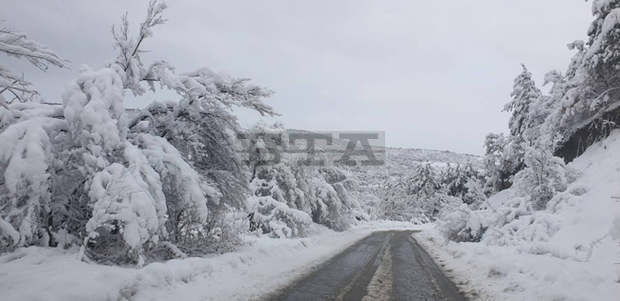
{"x":263,"y":265}
{"x":568,"y":252}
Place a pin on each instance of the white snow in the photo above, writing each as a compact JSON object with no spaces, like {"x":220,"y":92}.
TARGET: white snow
{"x":611,"y":20}
{"x":119,"y":196}
{"x":94,"y":109}
{"x":24,"y":162}
{"x":570,"y":251}
{"x":168,"y":162}
{"x":262,"y":266}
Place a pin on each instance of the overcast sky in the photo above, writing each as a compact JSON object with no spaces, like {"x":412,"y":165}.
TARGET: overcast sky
{"x":431,"y":74}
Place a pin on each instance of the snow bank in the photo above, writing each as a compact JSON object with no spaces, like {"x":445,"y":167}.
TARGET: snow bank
{"x":262,"y":266}
{"x":570,"y":251}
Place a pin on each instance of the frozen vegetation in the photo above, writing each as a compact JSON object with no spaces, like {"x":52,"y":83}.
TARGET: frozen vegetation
{"x":167,"y":181}
{"x":160,"y":203}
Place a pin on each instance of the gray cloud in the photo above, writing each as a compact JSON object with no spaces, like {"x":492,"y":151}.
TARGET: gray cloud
{"x":432,"y":74}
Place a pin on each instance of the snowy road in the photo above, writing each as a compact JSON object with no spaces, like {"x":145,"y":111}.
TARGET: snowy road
{"x":386,"y":265}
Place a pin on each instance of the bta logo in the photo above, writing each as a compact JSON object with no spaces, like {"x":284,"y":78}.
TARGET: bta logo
{"x":313,"y":148}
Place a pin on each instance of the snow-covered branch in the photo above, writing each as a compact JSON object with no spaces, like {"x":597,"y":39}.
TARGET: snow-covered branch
{"x":18,"y":45}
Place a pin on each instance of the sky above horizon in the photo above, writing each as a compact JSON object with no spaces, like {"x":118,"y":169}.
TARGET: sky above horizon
{"x":431,"y":74}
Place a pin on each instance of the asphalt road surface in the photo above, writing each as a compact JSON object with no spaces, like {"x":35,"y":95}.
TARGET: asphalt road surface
{"x":384,"y":266}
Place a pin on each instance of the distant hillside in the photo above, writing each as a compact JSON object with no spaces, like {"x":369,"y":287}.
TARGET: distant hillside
{"x":426,"y":155}
{"x":401,"y":160}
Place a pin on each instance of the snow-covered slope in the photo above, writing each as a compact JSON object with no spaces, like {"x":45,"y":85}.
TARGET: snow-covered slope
{"x":570,"y":251}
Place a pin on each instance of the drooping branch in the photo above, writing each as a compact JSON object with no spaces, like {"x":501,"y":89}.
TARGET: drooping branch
{"x":18,"y":45}
{"x":204,"y":86}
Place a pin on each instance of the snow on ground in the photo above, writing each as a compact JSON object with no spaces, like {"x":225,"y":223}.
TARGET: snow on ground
{"x":260,"y":267}
{"x":580,"y":259}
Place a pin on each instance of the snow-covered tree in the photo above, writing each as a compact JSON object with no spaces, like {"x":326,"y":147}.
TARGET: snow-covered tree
{"x":583,"y":106}
{"x":524,"y":95}
{"x":463,"y":181}
{"x":195,"y":135}
{"x":603,"y":54}
{"x":278,"y":206}
{"x":418,"y":197}
{"x":320,"y":193}
{"x":206,"y":140}
{"x":127,"y":190}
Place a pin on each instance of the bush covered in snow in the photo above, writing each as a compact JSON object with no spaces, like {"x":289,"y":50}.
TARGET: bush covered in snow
{"x":460,"y":223}
{"x":289,"y":196}
{"x":464,"y":181}
{"x":164,"y":184}
{"x":542,"y":178}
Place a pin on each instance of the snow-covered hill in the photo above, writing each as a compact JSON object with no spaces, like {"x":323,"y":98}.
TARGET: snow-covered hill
{"x":400,"y":161}
{"x":402,"y":156}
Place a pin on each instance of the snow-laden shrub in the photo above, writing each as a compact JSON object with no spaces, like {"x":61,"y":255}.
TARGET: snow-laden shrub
{"x":460,"y":180}
{"x":226,"y":230}
{"x":474,"y":196}
{"x":329,"y":202}
{"x":320,"y":192}
{"x":510,"y":220}
{"x":461,"y":224}
{"x":301,"y":192}
{"x":277,"y":219}
{"x":543,"y":177}
{"x":536,"y":227}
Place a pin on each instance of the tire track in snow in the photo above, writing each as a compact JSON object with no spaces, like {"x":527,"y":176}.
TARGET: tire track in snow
{"x":380,"y":287}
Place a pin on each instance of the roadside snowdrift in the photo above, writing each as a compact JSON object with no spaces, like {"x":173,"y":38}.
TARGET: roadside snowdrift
{"x":262,"y":266}
{"x":570,"y":251}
